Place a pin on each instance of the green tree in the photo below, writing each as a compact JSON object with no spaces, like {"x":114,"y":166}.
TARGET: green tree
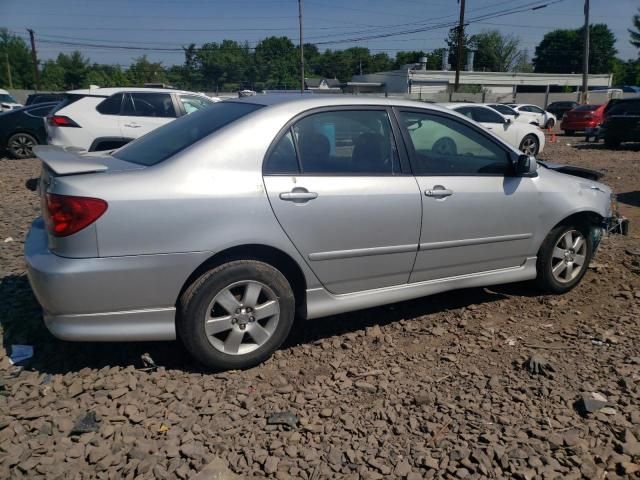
{"x":452,"y":45}
{"x":143,"y":71}
{"x":75,"y":68}
{"x":222,"y":63}
{"x":626,"y":73}
{"x":495,"y":52}
{"x":560,"y":51}
{"x":52,"y":76}
{"x":106,"y":76}
{"x":275,"y":63}
{"x":19,"y":61}
{"x":635,"y":34}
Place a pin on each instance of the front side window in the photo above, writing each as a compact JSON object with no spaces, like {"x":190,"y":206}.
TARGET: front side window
{"x":148,"y":104}
{"x":193,"y":103}
{"x":534,"y":109}
{"x":445,"y":146}
{"x":347,"y":142}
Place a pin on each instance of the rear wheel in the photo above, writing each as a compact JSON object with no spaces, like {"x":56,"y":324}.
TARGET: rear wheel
{"x":530,"y":145}
{"x":20,"y":145}
{"x":236,"y":315}
{"x":563,"y":258}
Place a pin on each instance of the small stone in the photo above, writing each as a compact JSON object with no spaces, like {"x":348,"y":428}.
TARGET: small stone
{"x":288,"y":419}
{"x":630,"y":468}
{"x":271,"y":465}
{"x":374,"y":331}
{"x":366,"y":386}
{"x":118,"y":392}
{"x":402,"y":469}
{"x":85,"y":424}
{"x":326,"y":412}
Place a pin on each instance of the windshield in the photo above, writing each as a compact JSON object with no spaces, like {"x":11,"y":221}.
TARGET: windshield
{"x":7,"y":98}
{"x":166,"y":141}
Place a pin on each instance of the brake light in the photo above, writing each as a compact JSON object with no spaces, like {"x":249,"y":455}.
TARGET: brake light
{"x":65,"y":215}
{"x":62,"y":121}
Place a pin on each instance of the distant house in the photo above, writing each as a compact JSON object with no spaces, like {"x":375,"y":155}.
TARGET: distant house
{"x":323,"y":85}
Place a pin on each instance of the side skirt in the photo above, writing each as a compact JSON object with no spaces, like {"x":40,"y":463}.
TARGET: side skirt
{"x":321,"y":303}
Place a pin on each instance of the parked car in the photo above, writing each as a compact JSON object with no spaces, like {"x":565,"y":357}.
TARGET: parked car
{"x":560,"y":108}
{"x":217,"y":228}
{"x":529,"y":139}
{"x":582,"y":118}
{"x":107,"y":118}
{"x":621,"y":122}
{"x":44,"y":97}
{"x":535,"y":114}
{"x":23,"y":128}
{"x":7,"y":102}
{"x":506,"y":111}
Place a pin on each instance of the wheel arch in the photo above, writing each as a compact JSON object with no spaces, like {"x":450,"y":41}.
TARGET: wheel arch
{"x":263,"y":253}
{"x":580,"y":218}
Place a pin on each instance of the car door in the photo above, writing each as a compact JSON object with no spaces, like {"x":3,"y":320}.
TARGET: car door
{"x":492,"y":121}
{"x":143,"y":112}
{"x":477,"y":217}
{"x":343,"y":193}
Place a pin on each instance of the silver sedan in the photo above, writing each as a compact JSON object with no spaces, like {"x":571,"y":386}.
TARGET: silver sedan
{"x":224,"y":226}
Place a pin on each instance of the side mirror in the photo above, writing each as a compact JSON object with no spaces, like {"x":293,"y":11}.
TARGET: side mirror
{"x":526,"y":165}
{"x":507,"y":120}
{"x":517,"y":115}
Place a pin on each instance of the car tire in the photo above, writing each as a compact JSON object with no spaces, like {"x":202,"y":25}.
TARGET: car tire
{"x":20,"y":145}
{"x":561,"y":266}
{"x":226,"y":325}
{"x":611,"y":142}
{"x":550,"y":123}
{"x":530,"y":145}
{"x":569,"y":132}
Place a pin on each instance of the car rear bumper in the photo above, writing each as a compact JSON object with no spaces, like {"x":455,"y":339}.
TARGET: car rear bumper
{"x":578,"y":125}
{"x":128,"y":298}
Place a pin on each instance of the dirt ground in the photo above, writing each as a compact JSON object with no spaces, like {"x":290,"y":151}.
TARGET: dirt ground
{"x":431,"y":388}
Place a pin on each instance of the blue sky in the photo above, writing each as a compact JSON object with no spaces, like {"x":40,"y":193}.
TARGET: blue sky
{"x":173,"y":23}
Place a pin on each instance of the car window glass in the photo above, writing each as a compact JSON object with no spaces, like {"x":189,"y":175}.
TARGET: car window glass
{"x":111,"y":105}
{"x":625,"y":108}
{"x":347,"y":142}
{"x":169,"y":139}
{"x":40,"y":112}
{"x":526,"y":108}
{"x":282,"y":158}
{"x":503,"y":109}
{"x":445,"y":146}
{"x":484,"y":115}
{"x":143,"y":104}
{"x":192,"y":103}
{"x":535,"y":109}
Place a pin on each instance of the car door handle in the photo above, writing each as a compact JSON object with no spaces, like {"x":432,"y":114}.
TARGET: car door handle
{"x":298,"y":195}
{"x":438,"y":192}
{"x":132,"y":125}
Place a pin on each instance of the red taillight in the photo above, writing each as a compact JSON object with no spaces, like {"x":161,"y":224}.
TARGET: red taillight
{"x":66,"y":215}
{"x":62,"y":121}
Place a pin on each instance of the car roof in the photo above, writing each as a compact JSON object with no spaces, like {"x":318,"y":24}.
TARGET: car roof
{"x":106,"y":92}
{"x":322,"y":100}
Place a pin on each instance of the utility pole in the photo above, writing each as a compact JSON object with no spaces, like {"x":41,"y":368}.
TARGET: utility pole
{"x":6,"y":56}
{"x":301,"y":48}
{"x":460,"y":45}
{"x":585,"y":60}
{"x":34,"y":55}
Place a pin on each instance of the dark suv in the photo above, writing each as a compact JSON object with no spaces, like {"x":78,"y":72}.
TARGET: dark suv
{"x":621,"y":122}
{"x":560,"y":108}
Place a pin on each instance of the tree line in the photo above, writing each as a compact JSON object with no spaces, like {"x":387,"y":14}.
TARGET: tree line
{"x":274,"y":62}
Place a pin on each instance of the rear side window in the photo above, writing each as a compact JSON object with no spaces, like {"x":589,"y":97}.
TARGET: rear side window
{"x":625,"y":108}
{"x":347,"y":142}
{"x":143,"y":104}
{"x":111,"y":106}
{"x":166,"y":141}
{"x":283,"y":158}
{"x":192,"y":103}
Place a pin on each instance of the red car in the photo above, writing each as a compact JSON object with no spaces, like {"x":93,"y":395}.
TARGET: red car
{"x":581,"y":118}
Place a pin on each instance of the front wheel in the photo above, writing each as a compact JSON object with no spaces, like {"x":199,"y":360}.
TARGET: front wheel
{"x":563,"y":258}
{"x":236,"y":315}
{"x":530,"y":145}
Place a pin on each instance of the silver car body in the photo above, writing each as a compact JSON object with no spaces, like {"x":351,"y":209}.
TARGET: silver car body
{"x":362,"y":241}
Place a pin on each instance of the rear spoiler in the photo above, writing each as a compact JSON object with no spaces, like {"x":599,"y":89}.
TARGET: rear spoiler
{"x":66,"y":162}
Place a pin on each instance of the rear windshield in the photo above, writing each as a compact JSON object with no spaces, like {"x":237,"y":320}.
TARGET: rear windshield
{"x":166,"y":141}
{"x":586,"y":108}
{"x":68,"y":99}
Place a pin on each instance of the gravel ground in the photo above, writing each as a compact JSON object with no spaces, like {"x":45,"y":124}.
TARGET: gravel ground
{"x":431,"y":388}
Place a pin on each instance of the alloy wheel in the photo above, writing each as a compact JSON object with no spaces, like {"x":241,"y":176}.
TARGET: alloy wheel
{"x":242,"y":317}
{"x":529,"y":146}
{"x":569,"y":256}
{"x":22,"y":145}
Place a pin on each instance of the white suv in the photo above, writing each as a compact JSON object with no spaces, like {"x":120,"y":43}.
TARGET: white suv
{"x":535,"y":114}
{"x":107,"y":118}
{"x":7,"y":102}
